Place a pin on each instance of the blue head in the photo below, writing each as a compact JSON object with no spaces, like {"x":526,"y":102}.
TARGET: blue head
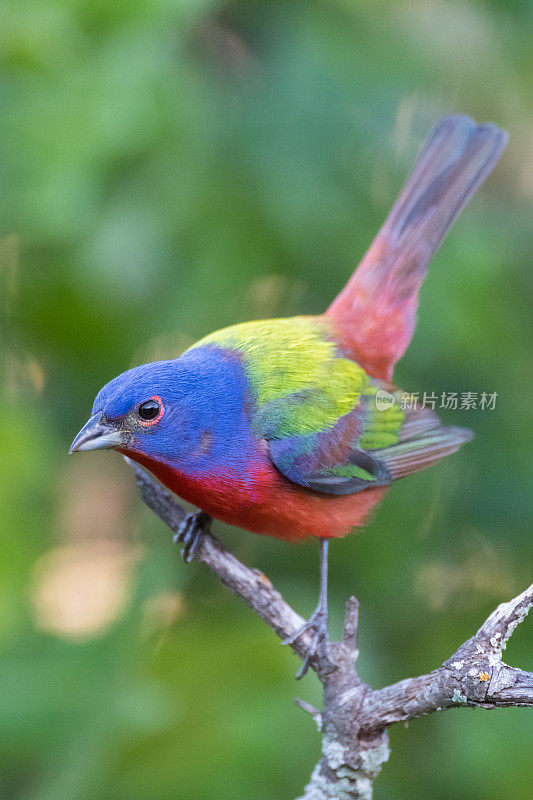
{"x":189,"y":413}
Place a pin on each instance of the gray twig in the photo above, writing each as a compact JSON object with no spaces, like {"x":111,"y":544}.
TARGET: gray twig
{"x":309,"y":709}
{"x":355,"y":717}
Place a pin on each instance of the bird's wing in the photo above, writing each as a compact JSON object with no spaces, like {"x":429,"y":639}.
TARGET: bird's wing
{"x":370,"y":446}
{"x":329,"y":461}
{"x":315,"y":447}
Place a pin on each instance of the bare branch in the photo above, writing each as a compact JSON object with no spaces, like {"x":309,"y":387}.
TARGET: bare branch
{"x":499,"y":627}
{"x":351,"y":622}
{"x":355,"y":718}
{"x":475,"y":675}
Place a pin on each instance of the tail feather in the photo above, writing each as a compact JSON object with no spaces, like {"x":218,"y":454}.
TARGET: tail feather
{"x":423,"y":451}
{"x":376,"y":311}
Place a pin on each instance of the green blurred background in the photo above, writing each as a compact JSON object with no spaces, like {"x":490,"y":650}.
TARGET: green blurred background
{"x":172,"y":166}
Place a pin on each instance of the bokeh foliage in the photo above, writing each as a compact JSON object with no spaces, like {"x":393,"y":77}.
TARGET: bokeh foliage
{"x":172,"y":166}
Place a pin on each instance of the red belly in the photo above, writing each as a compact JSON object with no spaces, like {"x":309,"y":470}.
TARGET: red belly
{"x":267,"y":503}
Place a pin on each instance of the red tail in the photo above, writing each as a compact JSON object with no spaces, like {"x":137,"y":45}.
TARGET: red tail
{"x":376,"y":311}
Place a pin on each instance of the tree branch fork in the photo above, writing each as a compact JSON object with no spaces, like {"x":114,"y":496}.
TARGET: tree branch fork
{"x":355,"y":717}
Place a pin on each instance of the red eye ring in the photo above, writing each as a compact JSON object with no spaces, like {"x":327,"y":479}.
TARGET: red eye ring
{"x":147,"y":422}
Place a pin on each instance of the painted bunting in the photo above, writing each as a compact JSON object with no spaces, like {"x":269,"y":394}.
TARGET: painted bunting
{"x":291,"y":427}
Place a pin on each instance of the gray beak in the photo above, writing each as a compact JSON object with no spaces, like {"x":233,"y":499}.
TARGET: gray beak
{"x":98,"y":435}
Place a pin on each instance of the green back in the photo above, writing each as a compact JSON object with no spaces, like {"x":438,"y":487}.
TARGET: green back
{"x":298,"y":378}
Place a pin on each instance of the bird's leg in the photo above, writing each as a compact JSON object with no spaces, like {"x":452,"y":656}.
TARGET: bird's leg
{"x":318,"y":620}
{"x":190,"y":532}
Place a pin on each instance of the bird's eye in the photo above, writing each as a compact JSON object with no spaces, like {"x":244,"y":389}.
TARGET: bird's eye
{"x":151,"y":410}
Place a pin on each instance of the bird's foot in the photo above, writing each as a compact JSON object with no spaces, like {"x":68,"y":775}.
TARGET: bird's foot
{"x":318,"y":622}
{"x":190,"y":532}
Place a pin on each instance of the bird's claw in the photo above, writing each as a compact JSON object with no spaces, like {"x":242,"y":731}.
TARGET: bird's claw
{"x":190,"y":532}
{"x":318,"y":621}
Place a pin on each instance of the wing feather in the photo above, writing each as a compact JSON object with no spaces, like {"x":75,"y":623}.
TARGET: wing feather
{"x":397,"y":443}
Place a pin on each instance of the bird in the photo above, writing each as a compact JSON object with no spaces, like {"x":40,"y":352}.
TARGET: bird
{"x":293,"y":427}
